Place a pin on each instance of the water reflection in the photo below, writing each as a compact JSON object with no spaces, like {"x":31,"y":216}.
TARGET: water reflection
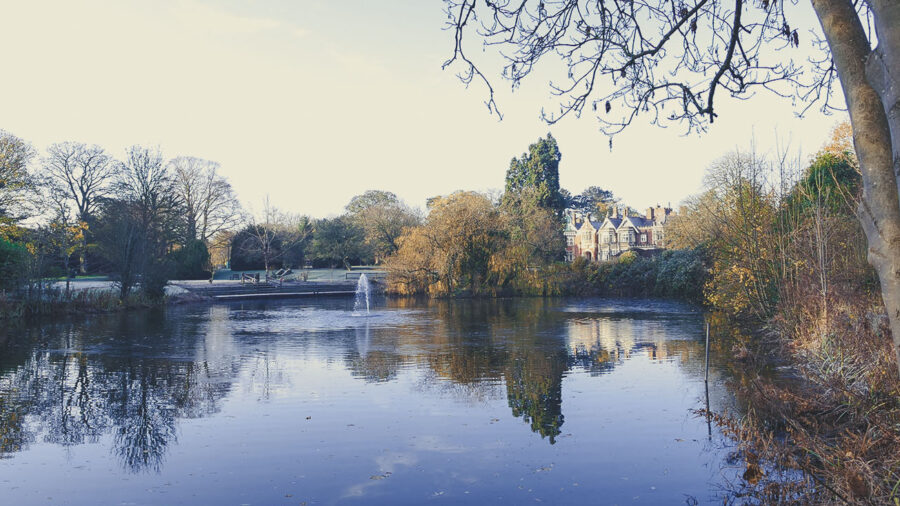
{"x":130,"y":375}
{"x":128,"y":381}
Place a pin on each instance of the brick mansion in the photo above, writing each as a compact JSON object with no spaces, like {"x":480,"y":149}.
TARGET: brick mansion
{"x":598,"y":240}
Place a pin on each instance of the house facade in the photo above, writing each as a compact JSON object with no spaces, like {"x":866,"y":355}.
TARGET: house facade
{"x":597,"y":240}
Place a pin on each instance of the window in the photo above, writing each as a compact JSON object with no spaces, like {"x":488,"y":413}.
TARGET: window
{"x":570,"y":241}
{"x":644,"y":237}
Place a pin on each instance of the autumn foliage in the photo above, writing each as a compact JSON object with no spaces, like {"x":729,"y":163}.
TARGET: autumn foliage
{"x":470,"y":245}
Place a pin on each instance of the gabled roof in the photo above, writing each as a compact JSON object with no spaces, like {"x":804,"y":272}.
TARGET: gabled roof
{"x":593,"y":224}
{"x":636,"y":222}
{"x":614,"y":222}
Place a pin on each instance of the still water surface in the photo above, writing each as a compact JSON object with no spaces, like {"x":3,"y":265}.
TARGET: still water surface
{"x":452,"y":402}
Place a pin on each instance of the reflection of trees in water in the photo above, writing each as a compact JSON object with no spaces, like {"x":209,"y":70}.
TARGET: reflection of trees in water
{"x":265,"y":374}
{"x":375,"y":366}
{"x":529,"y":344}
{"x":13,"y":434}
{"x":76,"y":399}
{"x":123,"y":375}
{"x":132,"y":376}
{"x":470,"y":347}
{"x":534,"y":388}
{"x":374,"y":362}
{"x":143,"y":414}
{"x":486,"y":340}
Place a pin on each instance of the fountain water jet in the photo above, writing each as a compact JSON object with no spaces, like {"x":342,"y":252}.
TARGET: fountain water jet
{"x":362,"y":294}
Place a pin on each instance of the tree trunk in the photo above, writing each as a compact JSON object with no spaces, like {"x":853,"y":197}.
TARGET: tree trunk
{"x":869,"y":81}
{"x":82,"y":258}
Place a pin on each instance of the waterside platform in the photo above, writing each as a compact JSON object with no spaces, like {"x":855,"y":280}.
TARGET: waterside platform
{"x":236,"y":291}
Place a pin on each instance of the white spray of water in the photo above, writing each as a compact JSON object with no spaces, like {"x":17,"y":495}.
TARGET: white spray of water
{"x":362,"y":294}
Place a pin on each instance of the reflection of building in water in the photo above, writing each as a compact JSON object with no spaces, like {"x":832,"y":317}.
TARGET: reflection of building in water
{"x":599,"y":343}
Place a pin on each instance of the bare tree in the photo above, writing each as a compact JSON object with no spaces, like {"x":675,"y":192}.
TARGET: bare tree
{"x":668,"y":61}
{"x":79,"y":174}
{"x":265,"y":235}
{"x":275,"y":235}
{"x":660,"y":58}
{"x":147,"y":191}
{"x":66,"y":235}
{"x":210,"y":205}
{"x":144,"y":180}
{"x":122,"y":243}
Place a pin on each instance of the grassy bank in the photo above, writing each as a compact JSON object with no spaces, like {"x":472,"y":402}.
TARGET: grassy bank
{"x":57,"y":302}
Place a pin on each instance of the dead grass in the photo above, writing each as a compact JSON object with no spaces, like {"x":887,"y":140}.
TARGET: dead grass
{"x":829,"y":434}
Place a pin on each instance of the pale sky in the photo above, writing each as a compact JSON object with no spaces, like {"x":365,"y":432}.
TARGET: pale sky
{"x":315,"y":101}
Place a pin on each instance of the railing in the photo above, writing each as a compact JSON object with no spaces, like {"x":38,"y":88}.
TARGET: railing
{"x":369,"y":274}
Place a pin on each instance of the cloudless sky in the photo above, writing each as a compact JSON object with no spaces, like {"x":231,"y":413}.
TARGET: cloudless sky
{"x":315,"y":101}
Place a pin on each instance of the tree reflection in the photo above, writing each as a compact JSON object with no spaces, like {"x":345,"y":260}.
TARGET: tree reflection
{"x":375,"y":362}
{"x":534,"y":389}
{"x":509,"y":339}
{"x":124,"y":375}
{"x":132,"y":377}
{"x":76,"y":413}
{"x":13,"y":434}
{"x":530,"y":344}
{"x":145,"y":416}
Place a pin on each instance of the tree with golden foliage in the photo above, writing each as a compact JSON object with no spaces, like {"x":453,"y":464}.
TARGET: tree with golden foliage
{"x":841,"y":143}
{"x":732,"y":218}
{"x":452,"y":251}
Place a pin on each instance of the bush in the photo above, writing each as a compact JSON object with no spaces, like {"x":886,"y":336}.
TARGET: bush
{"x":155,"y":277}
{"x":627,"y":258}
{"x":679,"y":274}
{"x":13,"y":262}
{"x":191,"y":261}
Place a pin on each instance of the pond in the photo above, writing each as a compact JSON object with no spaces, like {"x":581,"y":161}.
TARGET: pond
{"x":517,"y":401}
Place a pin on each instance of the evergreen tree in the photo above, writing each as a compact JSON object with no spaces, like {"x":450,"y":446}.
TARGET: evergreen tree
{"x":538,"y":172}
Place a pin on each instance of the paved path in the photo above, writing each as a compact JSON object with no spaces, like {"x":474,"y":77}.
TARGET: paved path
{"x":233,"y":289}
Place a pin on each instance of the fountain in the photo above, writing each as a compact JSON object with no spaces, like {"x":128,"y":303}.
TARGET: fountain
{"x":362,"y":295}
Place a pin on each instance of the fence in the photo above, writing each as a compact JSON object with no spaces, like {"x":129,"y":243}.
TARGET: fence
{"x":369,"y":274}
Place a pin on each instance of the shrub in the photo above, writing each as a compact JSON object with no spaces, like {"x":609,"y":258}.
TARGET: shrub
{"x":13,"y":262}
{"x":191,"y":261}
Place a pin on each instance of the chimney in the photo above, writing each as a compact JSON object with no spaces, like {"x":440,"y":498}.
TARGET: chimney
{"x":615,"y":212}
{"x":650,"y":213}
